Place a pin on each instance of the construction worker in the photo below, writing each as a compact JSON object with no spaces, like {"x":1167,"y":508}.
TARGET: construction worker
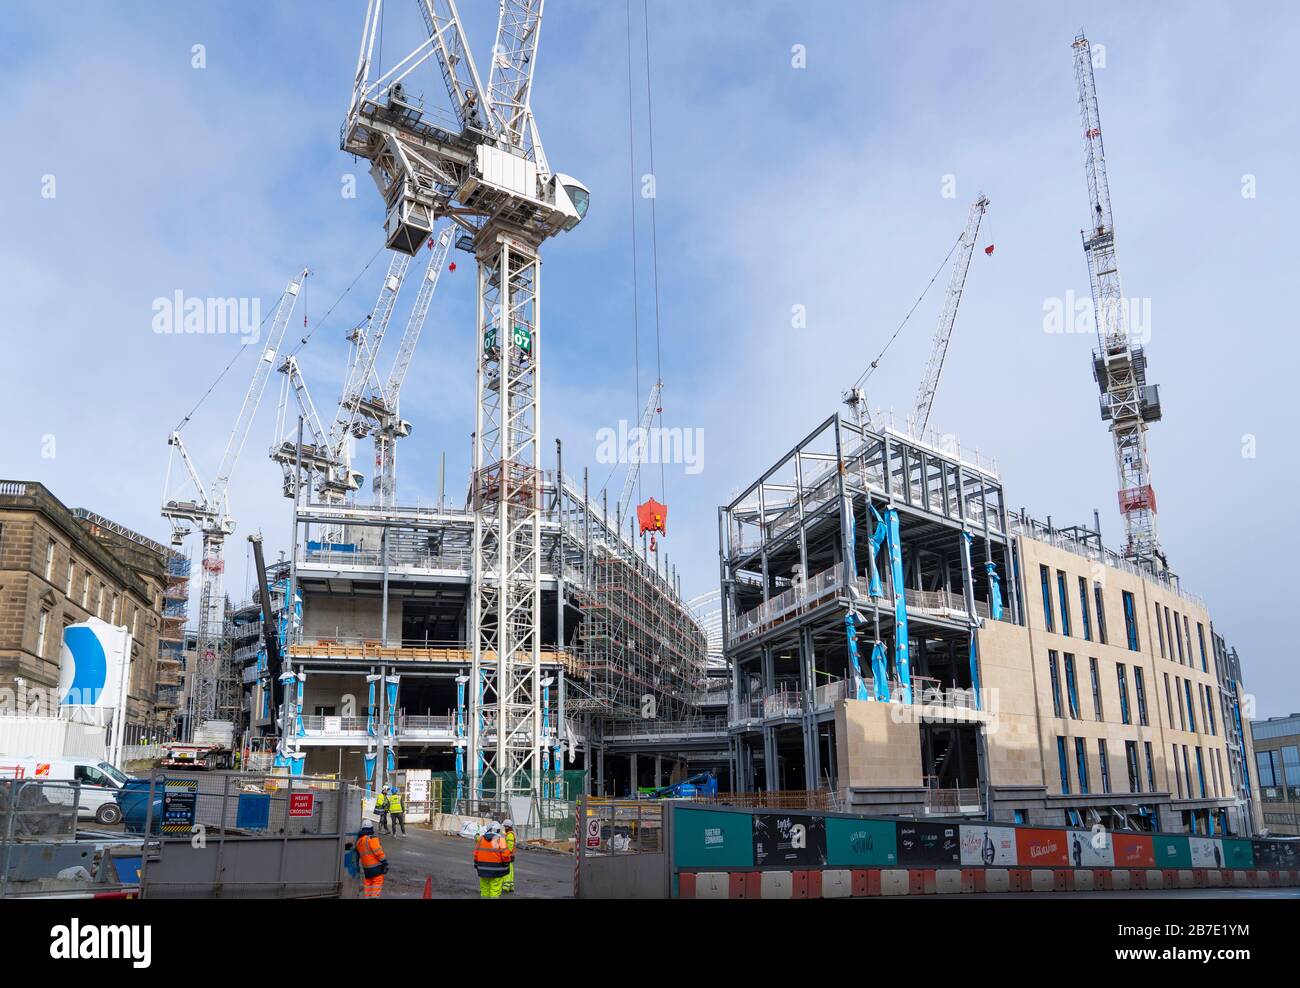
{"x":491,"y":861}
{"x":381,"y":809}
{"x":396,"y":811}
{"x":508,"y":886}
{"x":374,"y":863}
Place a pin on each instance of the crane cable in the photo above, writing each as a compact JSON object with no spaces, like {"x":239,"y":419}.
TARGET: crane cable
{"x":875,"y":363}
{"x":654,"y":235}
{"x":298,"y":349}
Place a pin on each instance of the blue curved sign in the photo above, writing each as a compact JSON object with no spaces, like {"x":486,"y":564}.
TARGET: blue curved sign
{"x":89,"y":666}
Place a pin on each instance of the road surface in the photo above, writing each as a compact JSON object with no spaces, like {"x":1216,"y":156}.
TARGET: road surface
{"x":448,"y":861}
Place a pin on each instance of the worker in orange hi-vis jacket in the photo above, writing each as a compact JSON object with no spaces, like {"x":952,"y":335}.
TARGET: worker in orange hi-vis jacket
{"x":374,"y":863}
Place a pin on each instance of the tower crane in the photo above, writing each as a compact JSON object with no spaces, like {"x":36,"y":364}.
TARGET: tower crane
{"x":947,"y":318}
{"x":209,"y":510}
{"x":380,"y":408}
{"x":488,"y":173}
{"x":366,"y":339}
{"x":316,"y":453}
{"x":1128,"y":402}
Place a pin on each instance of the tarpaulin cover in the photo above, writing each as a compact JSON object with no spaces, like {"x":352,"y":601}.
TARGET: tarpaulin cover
{"x":392,"y":702}
{"x":877,"y":537}
{"x":902,"y":664}
{"x":855,"y":660}
{"x":975,"y":667}
{"x":995,"y":590}
{"x":370,"y":765}
{"x":370,"y":706}
{"x":880,"y":670}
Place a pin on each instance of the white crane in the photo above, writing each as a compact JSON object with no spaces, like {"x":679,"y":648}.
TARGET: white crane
{"x":489,"y":174}
{"x":209,"y":511}
{"x":947,"y":318}
{"x":382,"y":406}
{"x":317,"y":456}
{"x":634,"y":467}
{"x":1127,"y":401}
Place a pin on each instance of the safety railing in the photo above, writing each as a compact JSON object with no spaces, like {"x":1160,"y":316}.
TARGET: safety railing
{"x":952,"y":802}
{"x":660,"y":728}
{"x":621,"y":826}
{"x":784,"y":799}
{"x":790,"y":603}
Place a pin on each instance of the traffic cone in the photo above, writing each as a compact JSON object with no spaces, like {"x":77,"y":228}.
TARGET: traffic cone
{"x":428,"y":887}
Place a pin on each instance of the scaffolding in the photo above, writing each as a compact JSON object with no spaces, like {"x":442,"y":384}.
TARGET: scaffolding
{"x":641,"y":655}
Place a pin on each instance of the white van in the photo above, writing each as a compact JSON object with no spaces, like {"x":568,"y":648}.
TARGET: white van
{"x":99,"y":780}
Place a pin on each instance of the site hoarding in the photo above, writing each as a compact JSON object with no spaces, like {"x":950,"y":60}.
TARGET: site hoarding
{"x":1041,"y":848}
{"x":789,"y":839}
{"x":1171,"y":851}
{"x":1091,"y":849}
{"x":710,"y":838}
{"x":1237,"y":853}
{"x":1133,"y":851}
{"x":928,"y":844}
{"x":1276,"y":854}
{"x":1207,"y":852}
{"x":861,"y":843}
{"x":988,"y":846}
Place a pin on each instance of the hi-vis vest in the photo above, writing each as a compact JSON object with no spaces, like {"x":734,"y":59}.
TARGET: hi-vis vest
{"x":510,"y":845}
{"x":395,"y":803}
{"x":381,"y":803}
{"x":373,"y":860}
{"x":491,"y":857}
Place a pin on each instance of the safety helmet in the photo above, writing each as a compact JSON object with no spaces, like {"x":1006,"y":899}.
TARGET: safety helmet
{"x":493,"y":827}
{"x":508,"y":824}
{"x":367,"y":826}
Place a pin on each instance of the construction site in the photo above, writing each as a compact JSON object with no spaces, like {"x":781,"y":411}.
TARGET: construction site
{"x":898,"y":682}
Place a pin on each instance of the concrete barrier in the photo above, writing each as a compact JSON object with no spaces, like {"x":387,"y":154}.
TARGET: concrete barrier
{"x":894,"y":881}
{"x":775,"y":885}
{"x":947,"y":881}
{"x":837,"y":883}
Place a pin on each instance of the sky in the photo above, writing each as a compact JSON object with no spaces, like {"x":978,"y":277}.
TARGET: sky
{"x":813,"y":163}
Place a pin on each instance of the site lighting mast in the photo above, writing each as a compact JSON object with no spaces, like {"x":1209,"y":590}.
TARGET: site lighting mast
{"x":1128,"y":402}
{"x":487,"y":171}
{"x":209,"y":511}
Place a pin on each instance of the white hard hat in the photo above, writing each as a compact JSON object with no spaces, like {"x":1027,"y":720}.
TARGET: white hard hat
{"x":508,"y":823}
{"x":493,"y":827}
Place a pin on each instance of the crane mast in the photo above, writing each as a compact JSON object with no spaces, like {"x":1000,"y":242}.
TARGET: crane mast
{"x":947,"y":318}
{"x":215,"y":689}
{"x":491,"y":178}
{"x":1128,"y":402}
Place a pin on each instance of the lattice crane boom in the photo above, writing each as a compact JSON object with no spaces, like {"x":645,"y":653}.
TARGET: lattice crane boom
{"x":1128,"y":402}
{"x":948,"y":317}
{"x":634,"y":467}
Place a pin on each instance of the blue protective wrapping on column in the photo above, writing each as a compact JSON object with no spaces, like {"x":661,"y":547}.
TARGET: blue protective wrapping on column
{"x":297,"y":760}
{"x":877,"y":537}
{"x":975,"y":667}
{"x":370,"y":709}
{"x":301,"y":677}
{"x":902,"y":663}
{"x":880,"y":671}
{"x":995,"y":590}
{"x":392,"y":763}
{"x":392,"y":703}
{"x":370,"y":765}
{"x":855,"y":660}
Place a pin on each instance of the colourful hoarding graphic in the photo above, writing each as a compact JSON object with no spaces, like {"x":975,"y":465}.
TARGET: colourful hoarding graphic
{"x":789,"y":839}
{"x":708,"y":838}
{"x":861,"y":842}
{"x":1276,"y":854}
{"x":988,"y":846}
{"x":928,"y":844}
{"x":1206,"y":852}
{"x":1171,"y":851}
{"x":1133,"y":851}
{"x":1091,"y":849}
{"x":1041,"y":848}
{"x":1237,"y":853}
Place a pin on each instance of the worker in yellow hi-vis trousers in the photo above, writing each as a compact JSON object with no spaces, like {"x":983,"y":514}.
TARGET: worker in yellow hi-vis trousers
{"x":490,"y":861}
{"x":509,"y":884}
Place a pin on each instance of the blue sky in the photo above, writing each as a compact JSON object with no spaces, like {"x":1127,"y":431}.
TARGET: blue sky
{"x":820,"y":187}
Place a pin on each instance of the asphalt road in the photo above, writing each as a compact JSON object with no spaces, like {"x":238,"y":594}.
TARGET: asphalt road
{"x":448,"y":861}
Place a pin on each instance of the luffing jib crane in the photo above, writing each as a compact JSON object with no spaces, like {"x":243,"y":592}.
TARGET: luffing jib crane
{"x":491,"y":177}
{"x":1128,"y":402}
{"x":947,"y":318}
{"x":209,"y":511}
